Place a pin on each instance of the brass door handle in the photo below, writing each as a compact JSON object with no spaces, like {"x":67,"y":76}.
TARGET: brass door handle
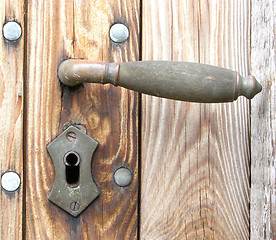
{"x":183,"y":81}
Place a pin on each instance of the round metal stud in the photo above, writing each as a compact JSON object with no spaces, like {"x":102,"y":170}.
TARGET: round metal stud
{"x":123,"y":177}
{"x":119,"y":33}
{"x":12,"y":31}
{"x":10,"y":181}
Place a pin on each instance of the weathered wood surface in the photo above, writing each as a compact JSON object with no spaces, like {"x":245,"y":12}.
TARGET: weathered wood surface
{"x":263,"y":121}
{"x":80,"y":29}
{"x":11,"y":118}
{"x":195,"y":157}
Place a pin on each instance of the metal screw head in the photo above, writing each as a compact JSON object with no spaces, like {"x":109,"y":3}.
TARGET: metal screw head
{"x":10,"y":181}
{"x":119,"y":33}
{"x":123,"y":177}
{"x":12,"y":31}
{"x":71,"y":136}
{"x":75,"y":206}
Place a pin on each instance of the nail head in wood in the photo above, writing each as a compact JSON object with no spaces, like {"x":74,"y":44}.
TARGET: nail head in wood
{"x":119,"y":33}
{"x":123,"y":177}
{"x":12,"y":31}
{"x":10,"y":181}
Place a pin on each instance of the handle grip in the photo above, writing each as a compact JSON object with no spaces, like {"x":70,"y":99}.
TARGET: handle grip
{"x":183,"y":81}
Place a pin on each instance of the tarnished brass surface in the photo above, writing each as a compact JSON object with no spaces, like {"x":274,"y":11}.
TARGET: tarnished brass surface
{"x":75,"y":197}
{"x":183,"y":81}
{"x":73,"y":72}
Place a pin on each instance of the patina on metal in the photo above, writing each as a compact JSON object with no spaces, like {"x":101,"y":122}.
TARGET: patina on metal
{"x":123,"y":177}
{"x":183,"y":81}
{"x":74,"y":188}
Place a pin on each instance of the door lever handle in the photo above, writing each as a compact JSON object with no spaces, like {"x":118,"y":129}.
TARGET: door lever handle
{"x":183,"y":81}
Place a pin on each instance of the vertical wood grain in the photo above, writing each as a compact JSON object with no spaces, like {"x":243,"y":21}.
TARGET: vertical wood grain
{"x":263,"y":113}
{"x":58,"y":30}
{"x":11,"y":118}
{"x":195,"y":157}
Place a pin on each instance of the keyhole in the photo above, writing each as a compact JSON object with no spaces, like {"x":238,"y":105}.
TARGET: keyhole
{"x":72,"y":169}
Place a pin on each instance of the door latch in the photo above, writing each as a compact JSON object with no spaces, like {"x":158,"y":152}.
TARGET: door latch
{"x":183,"y":81}
{"x":74,"y":188}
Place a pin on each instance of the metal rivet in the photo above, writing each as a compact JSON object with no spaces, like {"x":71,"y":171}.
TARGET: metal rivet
{"x":12,"y":31}
{"x":10,"y":181}
{"x":123,"y":177}
{"x":75,"y":206}
{"x":119,"y":33}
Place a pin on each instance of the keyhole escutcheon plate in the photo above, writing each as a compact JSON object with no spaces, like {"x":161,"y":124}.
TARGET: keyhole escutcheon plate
{"x":74,"y":188}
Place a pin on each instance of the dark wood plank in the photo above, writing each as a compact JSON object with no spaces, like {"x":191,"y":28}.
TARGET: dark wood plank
{"x":80,"y":29}
{"x":195,"y":157}
{"x":11,"y":117}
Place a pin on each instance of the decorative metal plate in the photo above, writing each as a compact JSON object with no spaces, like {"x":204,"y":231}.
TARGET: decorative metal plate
{"x":74,"y":188}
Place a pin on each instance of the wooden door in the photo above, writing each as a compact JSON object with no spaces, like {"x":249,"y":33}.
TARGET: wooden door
{"x":193,"y":165}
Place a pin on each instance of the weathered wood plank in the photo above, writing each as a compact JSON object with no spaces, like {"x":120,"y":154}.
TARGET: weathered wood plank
{"x":11,"y":117}
{"x":195,"y":157}
{"x":80,"y":29}
{"x":263,"y":113}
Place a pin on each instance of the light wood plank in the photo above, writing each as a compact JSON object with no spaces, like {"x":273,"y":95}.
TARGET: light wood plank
{"x":195,"y":157}
{"x":263,"y":112}
{"x":80,"y":29}
{"x":11,"y":117}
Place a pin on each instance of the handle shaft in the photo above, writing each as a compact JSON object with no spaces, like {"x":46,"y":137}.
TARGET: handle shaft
{"x":174,"y":80}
